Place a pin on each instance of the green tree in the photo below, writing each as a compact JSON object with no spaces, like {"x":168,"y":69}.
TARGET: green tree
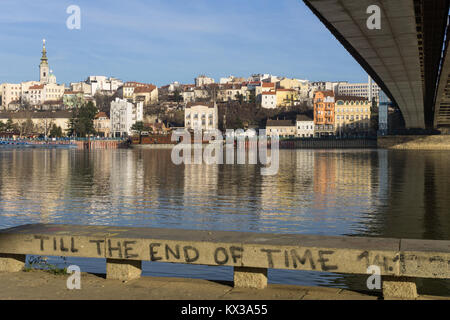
{"x":252,"y":97}
{"x":82,"y":122}
{"x":240,"y":97}
{"x":177,"y":97}
{"x":56,"y":131}
{"x":139,"y":127}
{"x":9,"y":125}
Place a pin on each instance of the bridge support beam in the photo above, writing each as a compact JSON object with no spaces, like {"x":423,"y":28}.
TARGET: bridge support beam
{"x":117,"y":269}
{"x":399,"y":288}
{"x":245,"y":277}
{"x":12,"y":262}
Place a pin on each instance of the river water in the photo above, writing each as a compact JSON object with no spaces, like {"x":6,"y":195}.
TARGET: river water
{"x":399,"y":194}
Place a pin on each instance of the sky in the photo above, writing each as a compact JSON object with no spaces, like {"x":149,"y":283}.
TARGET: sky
{"x":161,"y":41}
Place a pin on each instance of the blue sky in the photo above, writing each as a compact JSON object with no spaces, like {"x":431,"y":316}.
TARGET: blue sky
{"x":160,"y":41}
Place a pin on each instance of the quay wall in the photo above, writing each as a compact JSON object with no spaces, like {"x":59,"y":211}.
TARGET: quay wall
{"x":100,"y":144}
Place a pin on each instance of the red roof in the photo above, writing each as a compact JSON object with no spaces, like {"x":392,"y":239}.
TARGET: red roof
{"x":101,"y":115}
{"x":37,"y":86}
{"x":268,"y":85}
{"x":148,"y":88}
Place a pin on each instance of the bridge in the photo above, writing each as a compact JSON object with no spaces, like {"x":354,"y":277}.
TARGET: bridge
{"x":400,"y":261}
{"x":407,"y":56}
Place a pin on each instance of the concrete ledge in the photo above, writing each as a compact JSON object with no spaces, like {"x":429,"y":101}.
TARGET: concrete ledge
{"x":399,"y":288}
{"x":125,"y":248}
{"x":12,"y":262}
{"x":255,"y":278}
{"x":124,"y":270}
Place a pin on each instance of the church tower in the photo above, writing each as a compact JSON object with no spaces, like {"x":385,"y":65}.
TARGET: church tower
{"x":43,"y":67}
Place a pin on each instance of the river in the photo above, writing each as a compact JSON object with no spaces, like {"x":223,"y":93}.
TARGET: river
{"x":366,"y":192}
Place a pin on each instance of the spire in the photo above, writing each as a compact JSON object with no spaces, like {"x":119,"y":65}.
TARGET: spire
{"x":44,"y":53}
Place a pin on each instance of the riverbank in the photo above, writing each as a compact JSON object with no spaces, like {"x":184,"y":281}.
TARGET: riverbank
{"x":38,"y":284}
{"x":434,"y":142}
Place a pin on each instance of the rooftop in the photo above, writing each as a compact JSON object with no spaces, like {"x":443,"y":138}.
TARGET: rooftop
{"x":280,"y":123}
{"x":303,"y":117}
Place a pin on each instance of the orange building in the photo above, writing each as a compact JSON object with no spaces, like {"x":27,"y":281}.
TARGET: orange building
{"x":324,"y":106}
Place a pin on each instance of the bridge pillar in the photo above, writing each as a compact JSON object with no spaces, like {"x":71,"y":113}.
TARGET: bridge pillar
{"x":245,"y":277}
{"x":11,"y":262}
{"x":117,"y":269}
{"x":399,"y":288}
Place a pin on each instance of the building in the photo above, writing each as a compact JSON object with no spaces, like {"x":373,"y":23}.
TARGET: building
{"x":42,"y":95}
{"x":352,"y":115}
{"x":73,"y":99}
{"x":103,"y":84}
{"x":261,"y":87}
{"x":53,"y":91}
{"x":42,"y":120}
{"x":286,"y":97}
{"x":324,"y":105}
{"x":203,"y":80}
{"x":44,"y":68}
{"x":359,"y":90}
{"x":201,"y":116}
{"x":11,"y":93}
{"x":304,"y":126}
{"x":35,"y":95}
{"x":269,"y":100}
{"x":229,"y":92}
{"x":231,"y":79}
{"x":102,"y":124}
{"x":81,"y":87}
{"x":383,"y":111}
{"x":123,"y":115}
{"x":284,"y":128}
{"x":147,"y":94}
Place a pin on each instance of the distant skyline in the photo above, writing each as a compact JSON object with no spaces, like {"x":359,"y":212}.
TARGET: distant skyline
{"x":159,"y":41}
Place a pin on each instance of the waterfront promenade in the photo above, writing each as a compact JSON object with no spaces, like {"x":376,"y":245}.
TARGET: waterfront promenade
{"x":399,"y":261}
{"x":38,"y":284}
{"x":42,"y":285}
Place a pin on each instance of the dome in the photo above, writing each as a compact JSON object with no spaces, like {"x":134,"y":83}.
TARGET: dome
{"x":51,"y":78}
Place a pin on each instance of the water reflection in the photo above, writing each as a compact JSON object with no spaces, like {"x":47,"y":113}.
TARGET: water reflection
{"x":331,"y":192}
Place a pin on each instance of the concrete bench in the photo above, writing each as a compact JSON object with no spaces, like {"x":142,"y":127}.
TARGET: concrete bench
{"x":250,"y":254}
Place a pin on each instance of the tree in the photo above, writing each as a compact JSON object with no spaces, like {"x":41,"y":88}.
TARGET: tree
{"x":139,"y":127}
{"x":82,"y":122}
{"x":26,"y":127}
{"x":103,"y":102}
{"x":252,"y":97}
{"x":177,"y":97}
{"x":240,"y":97}
{"x":9,"y":125}
{"x":56,"y":131}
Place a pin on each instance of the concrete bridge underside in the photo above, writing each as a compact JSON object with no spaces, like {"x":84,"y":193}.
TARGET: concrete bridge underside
{"x":403,"y":56}
{"x":442,"y":112}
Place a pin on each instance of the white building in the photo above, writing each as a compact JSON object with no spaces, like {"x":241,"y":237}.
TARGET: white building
{"x":81,"y":87}
{"x":123,"y":115}
{"x":201,"y":116}
{"x":203,"y":80}
{"x":188,"y":96}
{"x":102,"y":83}
{"x":359,"y":90}
{"x":304,"y":126}
{"x":269,"y":100}
{"x":11,"y":92}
